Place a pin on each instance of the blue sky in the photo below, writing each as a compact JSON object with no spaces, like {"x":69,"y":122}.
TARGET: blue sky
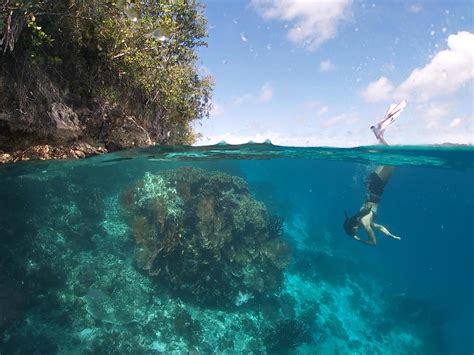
{"x":320,"y":73}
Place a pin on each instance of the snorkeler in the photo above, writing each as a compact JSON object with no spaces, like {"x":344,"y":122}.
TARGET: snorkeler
{"x":376,"y":182}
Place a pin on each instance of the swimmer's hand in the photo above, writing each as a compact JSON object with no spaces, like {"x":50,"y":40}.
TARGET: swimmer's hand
{"x":395,"y":237}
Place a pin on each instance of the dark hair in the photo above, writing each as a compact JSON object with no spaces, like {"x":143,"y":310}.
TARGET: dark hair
{"x":351,"y":223}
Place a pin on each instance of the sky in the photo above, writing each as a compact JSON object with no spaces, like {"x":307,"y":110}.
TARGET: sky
{"x":320,"y":73}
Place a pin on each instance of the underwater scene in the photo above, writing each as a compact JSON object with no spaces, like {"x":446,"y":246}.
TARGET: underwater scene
{"x":237,"y":250}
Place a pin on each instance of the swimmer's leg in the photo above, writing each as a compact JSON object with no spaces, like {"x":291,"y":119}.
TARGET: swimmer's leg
{"x":384,"y":172}
{"x":385,"y":231}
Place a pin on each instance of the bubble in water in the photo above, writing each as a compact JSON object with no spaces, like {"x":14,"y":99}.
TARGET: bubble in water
{"x":269,"y":46}
{"x":243,"y":36}
{"x":432,"y":33}
{"x":444,"y":29}
{"x":235,"y":21}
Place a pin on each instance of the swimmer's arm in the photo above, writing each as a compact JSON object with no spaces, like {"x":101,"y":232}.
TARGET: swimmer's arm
{"x":385,"y":231}
{"x":370,"y":234}
{"x":368,"y":241}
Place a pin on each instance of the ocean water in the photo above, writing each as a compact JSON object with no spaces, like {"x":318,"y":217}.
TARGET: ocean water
{"x":237,"y":249}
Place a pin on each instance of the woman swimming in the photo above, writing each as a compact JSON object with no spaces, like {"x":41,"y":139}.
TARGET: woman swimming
{"x":365,"y":217}
{"x":376,"y":182}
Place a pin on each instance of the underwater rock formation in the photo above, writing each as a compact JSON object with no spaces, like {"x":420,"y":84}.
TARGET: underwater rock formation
{"x":203,"y":234}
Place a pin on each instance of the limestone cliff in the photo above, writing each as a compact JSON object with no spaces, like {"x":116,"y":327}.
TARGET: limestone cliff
{"x":42,"y":118}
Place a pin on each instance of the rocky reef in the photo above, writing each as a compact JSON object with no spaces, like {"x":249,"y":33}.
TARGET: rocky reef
{"x":203,"y":235}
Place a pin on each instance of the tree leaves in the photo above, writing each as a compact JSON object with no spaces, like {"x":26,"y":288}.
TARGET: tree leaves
{"x":144,"y":46}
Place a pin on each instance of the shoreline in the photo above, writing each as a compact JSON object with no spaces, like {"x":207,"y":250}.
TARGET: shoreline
{"x":78,"y":150}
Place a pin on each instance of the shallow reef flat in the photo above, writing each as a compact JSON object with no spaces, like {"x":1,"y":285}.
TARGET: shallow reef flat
{"x":81,"y":276}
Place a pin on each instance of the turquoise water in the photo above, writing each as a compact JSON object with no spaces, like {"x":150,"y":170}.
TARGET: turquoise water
{"x":237,"y":249}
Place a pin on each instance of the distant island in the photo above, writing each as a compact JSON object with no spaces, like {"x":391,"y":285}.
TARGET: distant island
{"x":455,"y":144}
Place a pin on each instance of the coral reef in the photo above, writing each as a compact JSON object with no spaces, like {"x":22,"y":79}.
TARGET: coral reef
{"x":286,"y":335}
{"x":205,"y":236}
{"x":275,"y":225}
{"x":186,"y":327}
{"x":70,"y":284}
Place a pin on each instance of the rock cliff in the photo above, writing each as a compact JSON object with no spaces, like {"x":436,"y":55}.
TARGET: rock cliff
{"x":42,"y":118}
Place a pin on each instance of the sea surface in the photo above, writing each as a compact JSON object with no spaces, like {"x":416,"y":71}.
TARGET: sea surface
{"x":237,"y":249}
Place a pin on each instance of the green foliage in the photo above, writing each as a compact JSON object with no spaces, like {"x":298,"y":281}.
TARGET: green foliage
{"x":144,"y":49}
{"x":38,"y":36}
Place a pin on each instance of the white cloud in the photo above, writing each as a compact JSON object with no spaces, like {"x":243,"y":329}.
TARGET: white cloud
{"x":435,"y":111}
{"x":266,"y":93}
{"x":415,"y":8}
{"x":457,"y":130}
{"x":326,"y":65}
{"x":447,"y":72}
{"x":381,"y":89}
{"x":217,"y":110}
{"x":432,"y":113}
{"x":312,"y":108}
{"x":343,"y":118}
{"x":455,"y":122}
{"x":312,"y":104}
{"x":314,"y":21}
{"x":323,"y":110}
{"x":244,"y":99}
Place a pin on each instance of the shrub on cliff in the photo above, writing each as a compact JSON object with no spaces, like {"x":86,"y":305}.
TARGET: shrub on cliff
{"x":139,"y":56}
{"x":203,"y":234}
